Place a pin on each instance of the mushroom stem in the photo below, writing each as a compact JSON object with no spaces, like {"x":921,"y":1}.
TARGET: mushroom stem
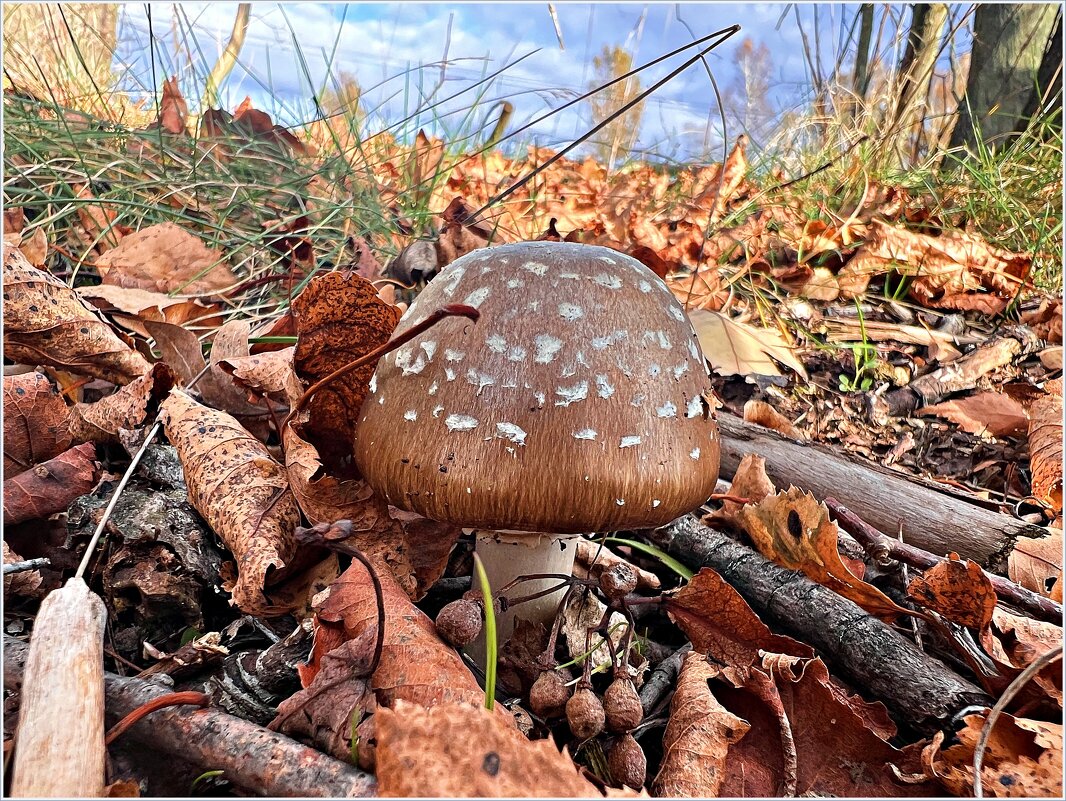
{"x":507,"y":555}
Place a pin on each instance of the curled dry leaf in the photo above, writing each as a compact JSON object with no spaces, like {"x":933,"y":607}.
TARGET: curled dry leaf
{"x":733,"y":171}
{"x":1045,"y":445}
{"x":45,"y":322}
{"x":1015,"y":642}
{"x":1036,"y":564}
{"x":735,"y":348}
{"x":339,"y":318}
{"x":698,"y":735}
{"x":25,"y":583}
{"x":463,"y":751}
{"x":458,"y":237}
{"x":51,"y":486}
{"x":996,"y":413}
{"x":794,"y":530}
{"x":130,"y":307}
{"x":269,"y":373}
{"x":240,"y":491}
{"x":35,"y":422}
{"x":958,"y":590}
{"x":584,"y":611}
{"x":750,"y":481}
{"x":1023,"y":758}
{"x":128,"y":408}
{"x":763,"y":414}
{"x":720,"y":624}
{"x":166,"y":258}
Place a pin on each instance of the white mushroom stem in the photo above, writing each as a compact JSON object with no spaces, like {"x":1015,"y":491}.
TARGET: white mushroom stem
{"x":510,"y":554}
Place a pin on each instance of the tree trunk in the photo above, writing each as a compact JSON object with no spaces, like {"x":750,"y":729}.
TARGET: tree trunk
{"x":1046,"y":102}
{"x":916,"y":68}
{"x":862,"y":53}
{"x":1009,"y":45}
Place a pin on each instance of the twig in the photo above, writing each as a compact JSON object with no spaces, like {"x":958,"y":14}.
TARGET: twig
{"x":1015,"y":687}
{"x":26,"y":564}
{"x":148,"y":707}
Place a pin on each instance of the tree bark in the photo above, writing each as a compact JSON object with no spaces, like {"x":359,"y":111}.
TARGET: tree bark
{"x":260,"y":761}
{"x":1009,"y":45}
{"x":932,"y":517}
{"x":919,"y":691}
{"x":1046,"y":102}
{"x":862,"y":53}
{"x":916,"y":69}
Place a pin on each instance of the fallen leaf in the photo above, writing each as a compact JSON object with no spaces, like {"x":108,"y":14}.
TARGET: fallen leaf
{"x":763,"y":414}
{"x":465,"y":751}
{"x":1023,"y":758}
{"x":24,"y":584}
{"x":720,"y":624}
{"x":794,"y":530}
{"x":166,"y":258}
{"x":269,"y":373}
{"x":1045,"y":445}
{"x":35,"y":422}
{"x":993,"y":412}
{"x":459,"y":237}
{"x":749,"y":481}
{"x":45,"y":322}
{"x":239,"y":490}
{"x":958,"y":590}
{"x":339,"y":318}
{"x":698,"y":735}
{"x":126,"y":409}
{"x":51,"y":486}
{"x":173,"y":110}
{"x":583,"y":612}
{"x":1036,"y":564}
{"x":130,"y":307}
{"x":735,"y":348}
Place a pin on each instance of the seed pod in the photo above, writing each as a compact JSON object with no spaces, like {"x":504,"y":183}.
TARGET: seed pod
{"x":627,"y":762}
{"x":459,"y":622}
{"x":621,"y":706}
{"x":618,"y":580}
{"x":584,"y":713}
{"x":549,"y":693}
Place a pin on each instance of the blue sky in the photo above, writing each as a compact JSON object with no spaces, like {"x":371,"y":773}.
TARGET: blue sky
{"x":395,"y":50}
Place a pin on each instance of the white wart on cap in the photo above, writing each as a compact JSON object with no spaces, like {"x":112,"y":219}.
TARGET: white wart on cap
{"x":576,"y":403}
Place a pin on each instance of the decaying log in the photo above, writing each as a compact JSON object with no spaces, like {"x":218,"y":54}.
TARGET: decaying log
{"x":959,"y":375}
{"x":919,"y":691}
{"x":1019,"y":597}
{"x":933,"y":518}
{"x":60,"y":751}
{"x":254,"y":758}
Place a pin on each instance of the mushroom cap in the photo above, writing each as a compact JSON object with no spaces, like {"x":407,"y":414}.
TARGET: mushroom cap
{"x":580,"y":401}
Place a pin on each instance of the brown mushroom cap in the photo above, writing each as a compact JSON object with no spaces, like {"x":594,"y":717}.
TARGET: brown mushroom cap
{"x":578,"y":402}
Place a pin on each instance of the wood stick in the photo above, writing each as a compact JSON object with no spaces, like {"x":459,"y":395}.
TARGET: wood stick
{"x":933,"y":518}
{"x":919,"y":691}
{"x":257,"y":759}
{"x":60,"y":749}
{"x":1024,"y":600}
{"x":959,"y":375}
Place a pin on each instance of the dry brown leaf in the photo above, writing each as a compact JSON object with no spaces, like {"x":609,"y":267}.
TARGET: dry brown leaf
{"x":458,"y":237}
{"x":166,"y":258}
{"x":35,"y":422}
{"x":24,"y":584}
{"x":128,"y":408}
{"x":1023,"y":759}
{"x":1036,"y":564}
{"x":130,"y":307}
{"x":1046,"y":321}
{"x":735,"y":348}
{"x":736,"y":165}
{"x":794,"y":530}
{"x":763,"y":414}
{"x":240,"y":491}
{"x":1045,"y":445}
{"x":720,"y":624}
{"x":99,"y":229}
{"x":993,"y":412}
{"x":958,"y":590}
{"x":698,"y":735}
{"x":45,"y":322}
{"x":339,"y":318}
{"x":269,"y":373}
{"x":465,"y":751}
{"x":51,"y":486}
{"x":750,"y":481}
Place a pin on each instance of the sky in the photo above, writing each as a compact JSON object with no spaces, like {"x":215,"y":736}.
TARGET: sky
{"x":401,"y":53}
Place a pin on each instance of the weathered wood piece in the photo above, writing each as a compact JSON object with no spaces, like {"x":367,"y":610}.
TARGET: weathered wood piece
{"x":932,"y":517}
{"x":260,"y":761}
{"x":919,"y":691}
{"x":60,"y":751}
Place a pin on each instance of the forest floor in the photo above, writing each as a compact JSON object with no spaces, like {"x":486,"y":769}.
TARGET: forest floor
{"x":887,"y":358}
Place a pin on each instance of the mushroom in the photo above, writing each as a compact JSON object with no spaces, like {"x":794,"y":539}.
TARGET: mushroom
{"x":580,"y":402}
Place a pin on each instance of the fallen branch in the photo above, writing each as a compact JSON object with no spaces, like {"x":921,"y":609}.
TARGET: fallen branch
{"x":932,"y":517}
{"x":920,"y":691}
{"x":254,"y":758}
{"x":1020,"y":598}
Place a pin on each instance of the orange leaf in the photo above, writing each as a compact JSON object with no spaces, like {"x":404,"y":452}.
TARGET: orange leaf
{"x":35,"y":422}
{"x":960,"y":591}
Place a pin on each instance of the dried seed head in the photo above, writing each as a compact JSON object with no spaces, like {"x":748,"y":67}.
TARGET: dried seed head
{"x":621,"y":706}
{"x":459,"y":622}
{"x":618,"y":580}
{"x":549,"y":693}
{"x":584,"y":713}
{"x":627,"y":762}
